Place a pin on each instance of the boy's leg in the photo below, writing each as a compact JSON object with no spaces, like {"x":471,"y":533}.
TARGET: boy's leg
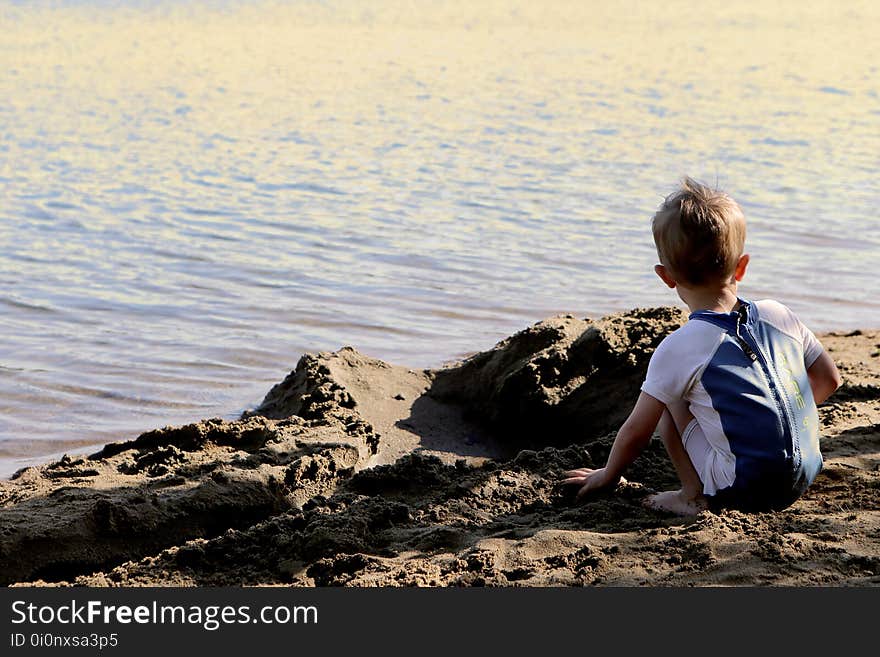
{"x":689,"y":499}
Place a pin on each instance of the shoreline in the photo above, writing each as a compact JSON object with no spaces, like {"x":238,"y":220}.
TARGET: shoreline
{"x":357,"y":472}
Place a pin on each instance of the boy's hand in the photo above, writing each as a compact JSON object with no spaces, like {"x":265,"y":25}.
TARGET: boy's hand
{"x":631,"y":439}
{"x":590,"y":480}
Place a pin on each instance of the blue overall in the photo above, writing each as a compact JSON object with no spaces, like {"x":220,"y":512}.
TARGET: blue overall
{"x":758,"y":384}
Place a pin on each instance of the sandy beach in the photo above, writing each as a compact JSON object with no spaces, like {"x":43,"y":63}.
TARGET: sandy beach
{"x":357,"y":472}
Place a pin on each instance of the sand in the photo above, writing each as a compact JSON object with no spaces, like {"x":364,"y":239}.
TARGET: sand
{"x":356,"y":472}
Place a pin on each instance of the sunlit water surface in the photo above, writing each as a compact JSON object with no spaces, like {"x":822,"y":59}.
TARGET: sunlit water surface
{"x":194,"y":194}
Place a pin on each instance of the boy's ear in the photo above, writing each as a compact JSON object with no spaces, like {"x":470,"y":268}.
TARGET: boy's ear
{"x":663,"y":273}
{"x":740,"y":270}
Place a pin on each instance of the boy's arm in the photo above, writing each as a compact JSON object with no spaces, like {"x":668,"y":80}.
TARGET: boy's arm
{"x":824,"y":377}
{"x":822,"y":372}
{"x":631,"y":439}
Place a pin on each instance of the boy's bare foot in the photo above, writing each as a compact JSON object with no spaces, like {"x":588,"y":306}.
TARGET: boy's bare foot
{"x":677,"y":502}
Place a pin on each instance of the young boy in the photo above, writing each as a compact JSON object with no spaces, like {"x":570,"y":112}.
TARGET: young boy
{"x":733,"y":392}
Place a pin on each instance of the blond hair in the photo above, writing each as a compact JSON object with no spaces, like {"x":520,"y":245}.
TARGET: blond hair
{"x":700,"y":234}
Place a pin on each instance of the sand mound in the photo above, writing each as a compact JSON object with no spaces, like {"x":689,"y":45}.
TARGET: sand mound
{"x":563,"y":378}
{"x":356,"y":472}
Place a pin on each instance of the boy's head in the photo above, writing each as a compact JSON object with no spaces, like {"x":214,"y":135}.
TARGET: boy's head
{"x":700,"y":234}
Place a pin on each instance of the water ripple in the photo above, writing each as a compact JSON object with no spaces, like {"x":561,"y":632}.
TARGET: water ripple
{"x":182,"y":219}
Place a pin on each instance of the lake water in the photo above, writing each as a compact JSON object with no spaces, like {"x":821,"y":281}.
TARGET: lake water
{"x":193,"y":194}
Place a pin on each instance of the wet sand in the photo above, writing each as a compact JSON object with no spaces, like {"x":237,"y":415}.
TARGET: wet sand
{"x":360,"y":473}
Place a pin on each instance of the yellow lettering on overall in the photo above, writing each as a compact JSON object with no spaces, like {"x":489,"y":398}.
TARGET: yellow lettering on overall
{"x":796,"y":389}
